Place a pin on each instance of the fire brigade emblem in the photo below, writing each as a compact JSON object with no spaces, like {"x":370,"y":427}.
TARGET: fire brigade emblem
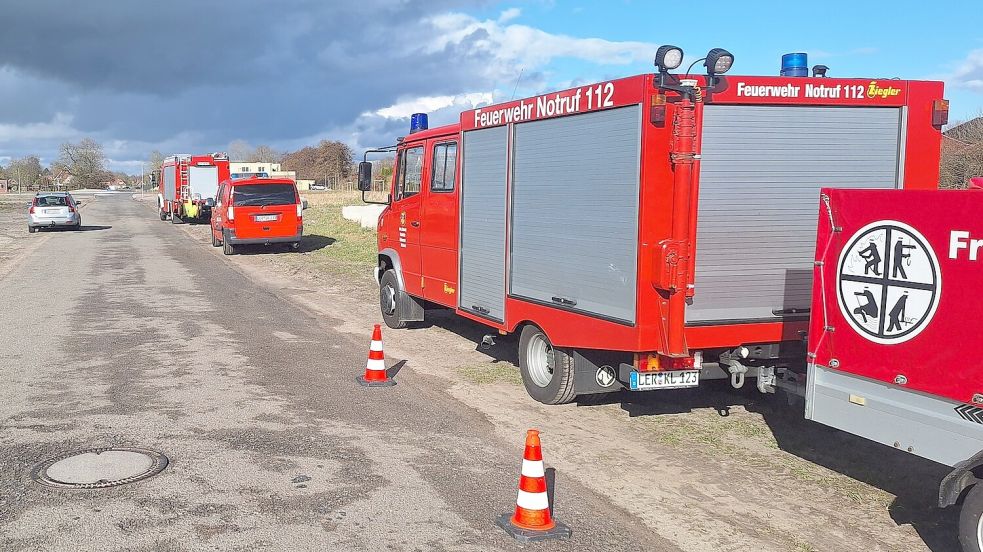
{"x":888,"y":282}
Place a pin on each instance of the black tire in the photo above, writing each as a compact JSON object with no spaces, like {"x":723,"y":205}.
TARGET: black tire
{"x":559,"y":368}
{"x":31,"y":229}
{"x":227,"y":248}
{"x":175,"y":219}
{"x":389,"y":292}
{"x":215,"y":241}
{"x":971,"y":520}
{"x":162,"y":214}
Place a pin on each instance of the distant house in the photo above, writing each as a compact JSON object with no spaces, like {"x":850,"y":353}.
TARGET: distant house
{"x":245,"y":169}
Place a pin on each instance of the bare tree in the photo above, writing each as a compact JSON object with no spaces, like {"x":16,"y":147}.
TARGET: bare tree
{"x":962,"y":154}
{"x":26,"y":171}
{"x":327,"y":161}
{"x":266,"y":154}
{"x":154,"y":161}
{"x":84,"y":161}
{"x":240,"y":150}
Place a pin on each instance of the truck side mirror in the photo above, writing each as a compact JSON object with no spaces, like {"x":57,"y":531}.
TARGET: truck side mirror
{"x":365,"y":176}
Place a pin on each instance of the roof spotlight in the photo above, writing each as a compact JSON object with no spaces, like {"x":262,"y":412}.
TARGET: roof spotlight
{"x":819,"y":70}
{"x":718,"y":61}
{"x":668,"y":57}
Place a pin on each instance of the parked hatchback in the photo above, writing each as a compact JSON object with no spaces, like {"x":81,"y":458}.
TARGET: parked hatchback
{"x":53,"y":210}
{"x":257,"y":210}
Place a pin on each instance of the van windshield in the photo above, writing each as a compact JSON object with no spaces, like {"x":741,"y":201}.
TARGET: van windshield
{"x":263,"y":194}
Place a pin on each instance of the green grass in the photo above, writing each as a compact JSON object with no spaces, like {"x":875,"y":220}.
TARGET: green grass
{"x":334,"y":244}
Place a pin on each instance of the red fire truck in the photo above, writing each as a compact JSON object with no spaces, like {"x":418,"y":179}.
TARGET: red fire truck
{"x":646,"y":232}
{"x":187,"y":186}
{"x":894,"y":331}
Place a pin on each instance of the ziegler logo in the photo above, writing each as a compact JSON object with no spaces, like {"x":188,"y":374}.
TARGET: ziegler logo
{"x":875,"y":91}
{"x":448,"y":290}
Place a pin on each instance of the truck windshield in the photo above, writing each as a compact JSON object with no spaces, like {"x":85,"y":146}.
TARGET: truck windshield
{"x":264,"y":194}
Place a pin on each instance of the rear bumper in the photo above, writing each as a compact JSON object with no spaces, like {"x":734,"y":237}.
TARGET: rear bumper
{"x":264,"y":241}
{"x":46,"y":222}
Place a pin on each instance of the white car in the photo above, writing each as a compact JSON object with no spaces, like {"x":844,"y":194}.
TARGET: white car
{"x":53,"y":210}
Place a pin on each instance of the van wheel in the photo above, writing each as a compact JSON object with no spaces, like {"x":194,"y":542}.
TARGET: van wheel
{"x":31,"y":229}
{"x":389,"y":300}
{"x":215,"y":241}
{"x":547,"y":372}
{"x":971,"y":520}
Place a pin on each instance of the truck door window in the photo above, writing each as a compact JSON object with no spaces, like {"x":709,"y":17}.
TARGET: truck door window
{"x":444,"y":167}
{"x":410,"y":172}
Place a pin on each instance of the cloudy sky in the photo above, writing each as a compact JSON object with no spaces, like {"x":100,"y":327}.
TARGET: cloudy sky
{"x":187,"y":76}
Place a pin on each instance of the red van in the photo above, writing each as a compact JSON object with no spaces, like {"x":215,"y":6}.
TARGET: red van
{"x":257,"y":211}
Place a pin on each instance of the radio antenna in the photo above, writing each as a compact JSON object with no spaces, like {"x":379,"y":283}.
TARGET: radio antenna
{"x":516,"y":87}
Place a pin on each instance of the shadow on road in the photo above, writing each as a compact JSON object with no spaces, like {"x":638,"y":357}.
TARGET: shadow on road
{"x":914,"y":481}
{"x":82,"y":229}
{"x":308,"y":244}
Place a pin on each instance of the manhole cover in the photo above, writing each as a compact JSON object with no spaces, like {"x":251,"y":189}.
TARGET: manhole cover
{"x":99,"y":468}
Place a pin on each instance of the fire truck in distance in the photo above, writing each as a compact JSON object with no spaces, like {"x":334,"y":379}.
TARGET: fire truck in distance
{"x":187,"y":185}
{"x":647,"y":232}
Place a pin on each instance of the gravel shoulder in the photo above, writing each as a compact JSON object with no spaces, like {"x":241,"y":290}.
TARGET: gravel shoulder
{"x":708,"y":469}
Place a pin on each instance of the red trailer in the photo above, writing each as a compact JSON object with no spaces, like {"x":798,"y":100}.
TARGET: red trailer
{"x":894,"y":331}
{"x":645,"y":232}
{"x":187,"y":185}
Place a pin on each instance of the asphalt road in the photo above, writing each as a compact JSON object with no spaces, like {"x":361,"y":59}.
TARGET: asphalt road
{"x":130,"y":333}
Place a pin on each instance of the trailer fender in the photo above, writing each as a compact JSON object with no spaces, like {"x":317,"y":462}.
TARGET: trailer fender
{"x":964,"y":475}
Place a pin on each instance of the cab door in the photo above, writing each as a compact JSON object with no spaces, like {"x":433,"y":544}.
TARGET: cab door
{"x":407,"y":206}
{"x":438,"y":234}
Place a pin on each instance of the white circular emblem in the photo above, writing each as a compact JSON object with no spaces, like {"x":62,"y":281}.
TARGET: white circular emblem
{"x":605,"y":376}
{"x":888,"y":282}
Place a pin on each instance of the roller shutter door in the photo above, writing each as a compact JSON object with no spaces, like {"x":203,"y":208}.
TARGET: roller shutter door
{"x":483,"y":188}
{"x":760,"y":176}
{"x":575,"y":212}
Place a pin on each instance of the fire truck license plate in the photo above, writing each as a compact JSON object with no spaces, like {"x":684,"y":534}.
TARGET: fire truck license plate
{"x":265,"y":218}
{"x":639,"y":381}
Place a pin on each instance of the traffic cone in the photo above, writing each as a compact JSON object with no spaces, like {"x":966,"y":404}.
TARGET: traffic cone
{"x":375,"y":368}
{"x":533,"y":518}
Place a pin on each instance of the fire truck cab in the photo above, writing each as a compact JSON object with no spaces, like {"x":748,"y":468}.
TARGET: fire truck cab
{"x":645,"y":232}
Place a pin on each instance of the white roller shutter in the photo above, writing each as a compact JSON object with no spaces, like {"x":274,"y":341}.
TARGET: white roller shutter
{"x":760,"y":176}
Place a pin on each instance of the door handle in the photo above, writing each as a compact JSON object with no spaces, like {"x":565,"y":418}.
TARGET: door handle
{"x":415,"y":224}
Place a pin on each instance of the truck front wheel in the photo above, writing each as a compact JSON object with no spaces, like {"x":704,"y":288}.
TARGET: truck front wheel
{"x":389,"y":293}
{"x":547,"y":372}
{"x":971,"y":520}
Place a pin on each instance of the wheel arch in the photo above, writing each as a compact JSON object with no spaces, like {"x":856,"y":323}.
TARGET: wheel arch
{"x":964,"y":475}
{"x":389,"y":259}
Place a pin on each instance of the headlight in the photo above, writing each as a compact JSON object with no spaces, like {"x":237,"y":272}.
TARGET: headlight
{"x":668,"y":57}
{"x":719,"y":61}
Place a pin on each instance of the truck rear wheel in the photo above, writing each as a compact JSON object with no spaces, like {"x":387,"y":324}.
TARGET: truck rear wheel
{"x":162,"y":214}
{"x":175,"y":219}
{"x":547,"y":372}
{"x":971,"y":520}
{"x":389,"y":292}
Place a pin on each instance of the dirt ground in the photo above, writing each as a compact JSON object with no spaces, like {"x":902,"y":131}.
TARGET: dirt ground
{"x":707,"y":469}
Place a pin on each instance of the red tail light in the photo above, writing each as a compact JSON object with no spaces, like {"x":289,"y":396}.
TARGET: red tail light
{"x":654,"y":362}
{"x":34,"y":203}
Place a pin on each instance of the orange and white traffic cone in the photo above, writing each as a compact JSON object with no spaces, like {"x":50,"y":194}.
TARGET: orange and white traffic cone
{"x":533,"y":517}
{"x":375,"y":368}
